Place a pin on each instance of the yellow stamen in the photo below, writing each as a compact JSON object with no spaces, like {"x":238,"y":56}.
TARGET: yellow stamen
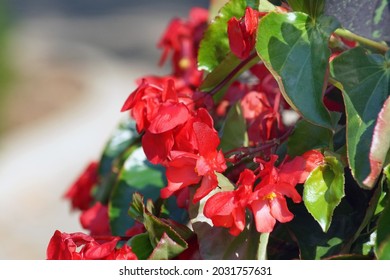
{"x":270,"y":196}
{"x":184,"y":63}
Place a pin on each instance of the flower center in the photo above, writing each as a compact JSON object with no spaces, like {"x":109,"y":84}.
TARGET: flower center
{"x":270,"y":196}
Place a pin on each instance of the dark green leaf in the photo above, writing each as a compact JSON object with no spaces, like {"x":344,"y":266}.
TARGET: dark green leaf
{"x":215,"y":44}
{"x":141,"y":246}
{"x":137,"y":175}
{"x":313,"y":8}
{"x":365,"y":79}
{"x":323,"y":191}
{"x":234,"y":132}
{"x":294,"y":47}
{"x":312,"y":241}
{"x":167,"y":238}
{"x":307,"y":136}
{"x":123,"y":137}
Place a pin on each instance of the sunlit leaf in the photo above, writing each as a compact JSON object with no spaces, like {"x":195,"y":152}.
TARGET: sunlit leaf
{"x":323,"y":191}
{"x":294,"y":47}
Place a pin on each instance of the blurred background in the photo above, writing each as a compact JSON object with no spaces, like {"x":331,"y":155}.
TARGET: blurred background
{"x":66,"y":67}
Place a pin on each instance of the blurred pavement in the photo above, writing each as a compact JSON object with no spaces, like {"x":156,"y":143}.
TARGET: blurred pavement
{"x":74,"y":73}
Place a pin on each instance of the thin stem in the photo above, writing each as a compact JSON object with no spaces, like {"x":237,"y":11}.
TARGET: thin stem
{"x":263,"y":243}
{"x":249,"y":60}
{"x":365,"y":41}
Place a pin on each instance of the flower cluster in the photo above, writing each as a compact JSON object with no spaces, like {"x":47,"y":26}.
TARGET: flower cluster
{"x":179,"y":129}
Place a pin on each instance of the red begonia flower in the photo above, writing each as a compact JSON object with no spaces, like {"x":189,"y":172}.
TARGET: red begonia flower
{"x":242,"y":33}
{"x":80,"y":191}
{"x":227,"y":209}
{"x":96,"y":220}
{"x":79,"y":246}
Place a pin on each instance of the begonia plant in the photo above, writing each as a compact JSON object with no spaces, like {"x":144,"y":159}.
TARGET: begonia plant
{"x":268,"y":139}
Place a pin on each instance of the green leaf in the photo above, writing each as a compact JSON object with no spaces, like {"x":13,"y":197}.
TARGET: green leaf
{"x":294,"y":47}
{"x":234,"y":132}
{"x":366,"y":85}
{"x":121,"y":140}
{"x":215,"y":43}
{"x":382,"y":243}
{"x":323,"y":191}
{"x":141,"y":246}
{"x":166,"y":237}
{"x":314,"y":8}
{"x":137,"y":175}
{"x":307,"y":136}
{"x":166,"y":249}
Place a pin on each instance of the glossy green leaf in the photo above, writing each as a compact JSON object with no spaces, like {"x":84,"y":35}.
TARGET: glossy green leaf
{"x":137,"y":175}
{"x":234,"y":132}
{"x":113,"y":156}
{"x":314,"y":8}
{"x":365,"y":79}
{"x":323,"y":191}
{"x":307,"y":136}
{"x":382,"y":243}
{"x":166,"y":237}
{"x":215,"y":43}
{"x":294,"y":47}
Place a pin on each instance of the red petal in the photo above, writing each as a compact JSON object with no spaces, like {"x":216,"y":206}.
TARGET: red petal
{"x":209,"y":182}
{"x":163,"y":141}
{"x":279,"y":209}
{"x":265,"y":222}
{"x":207,"y":137}
{"x":168,"y":117}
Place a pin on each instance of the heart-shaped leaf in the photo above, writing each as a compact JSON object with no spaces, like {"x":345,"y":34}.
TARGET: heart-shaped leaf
{"x":294,"y":47}
{"x":365,"y":79}
{"x":323,"y":191}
